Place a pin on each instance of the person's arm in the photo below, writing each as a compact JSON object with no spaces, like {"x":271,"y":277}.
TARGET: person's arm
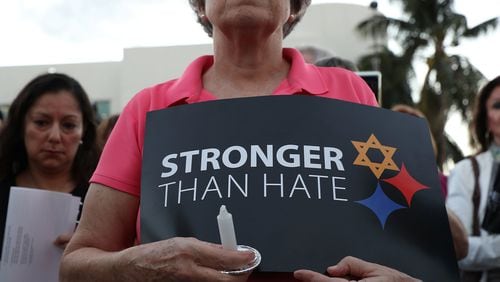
{"x":102,"y":248}
{"x":458,"y":235}
{"x":484,"y":250}
{"x":353,"y":269}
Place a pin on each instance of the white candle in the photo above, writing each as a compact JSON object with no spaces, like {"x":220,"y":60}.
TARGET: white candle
{"x":226,"y":229}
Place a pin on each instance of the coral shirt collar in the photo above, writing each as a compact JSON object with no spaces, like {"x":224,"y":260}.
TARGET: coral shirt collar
{"x":302,"y":78}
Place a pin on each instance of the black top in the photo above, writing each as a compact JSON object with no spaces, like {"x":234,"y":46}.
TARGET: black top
{"x":6,"y":184}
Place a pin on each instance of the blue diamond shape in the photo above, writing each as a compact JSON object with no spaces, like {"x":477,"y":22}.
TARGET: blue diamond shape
{"x":380,"y":204}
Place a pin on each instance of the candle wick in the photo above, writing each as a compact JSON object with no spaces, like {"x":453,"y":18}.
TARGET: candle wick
{"x":223,"y":210}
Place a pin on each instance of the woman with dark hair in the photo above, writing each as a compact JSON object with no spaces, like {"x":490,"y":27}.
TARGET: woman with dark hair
{"x":48,"y":141}
{"x":249,"y":60}
{"x":474,"y":188}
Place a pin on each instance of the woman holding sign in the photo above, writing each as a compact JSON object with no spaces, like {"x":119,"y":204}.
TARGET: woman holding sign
{"x":249,"y":60}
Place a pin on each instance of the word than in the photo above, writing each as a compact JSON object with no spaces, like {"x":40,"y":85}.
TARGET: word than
{"x":315,"y":188}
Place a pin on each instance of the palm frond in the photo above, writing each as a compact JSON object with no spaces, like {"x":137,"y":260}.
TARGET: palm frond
{"x":451,"y":80}
{"x":378,"y":25}
{"x":481,"y":28}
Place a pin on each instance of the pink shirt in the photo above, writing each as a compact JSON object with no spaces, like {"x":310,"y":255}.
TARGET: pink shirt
{"x":120,"y":163}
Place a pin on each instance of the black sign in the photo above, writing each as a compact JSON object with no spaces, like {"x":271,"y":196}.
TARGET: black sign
{"x":308,"y":181}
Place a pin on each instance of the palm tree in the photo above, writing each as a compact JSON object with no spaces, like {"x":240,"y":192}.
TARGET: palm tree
{"x":397,"y":72}
{"x":451,"y":81}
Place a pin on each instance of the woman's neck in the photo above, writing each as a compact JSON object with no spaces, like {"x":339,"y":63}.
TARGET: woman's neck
{"x":60,"y":181}
{"x":244,"y":69}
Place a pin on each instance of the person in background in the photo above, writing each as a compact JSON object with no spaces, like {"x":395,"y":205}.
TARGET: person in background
{"x":48,"y":141}
{"x":336,"y":62}
{"x":104,"y":130}
{"x":458,"y":232}
{"x":249,"y":60}
{"x":401,"y":108}
{"x":475,"y":197}
{"x":312,"y":54}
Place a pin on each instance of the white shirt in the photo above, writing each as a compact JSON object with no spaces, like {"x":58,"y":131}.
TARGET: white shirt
{"x":484,"y":251}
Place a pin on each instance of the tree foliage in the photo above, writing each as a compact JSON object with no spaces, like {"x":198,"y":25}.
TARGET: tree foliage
{"x":429,"y":28}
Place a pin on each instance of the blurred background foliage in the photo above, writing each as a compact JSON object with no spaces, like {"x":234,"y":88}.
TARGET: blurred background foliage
{"x":425,"y":34}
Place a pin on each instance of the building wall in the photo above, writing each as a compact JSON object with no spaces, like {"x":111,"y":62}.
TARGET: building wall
{"x":100,"y":80}
{"x":329,"y":26}
{"x":333,"y":27}
{"x":143,"y":67}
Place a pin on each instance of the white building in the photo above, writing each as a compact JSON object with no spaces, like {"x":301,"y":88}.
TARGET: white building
{"x":112,"y":84}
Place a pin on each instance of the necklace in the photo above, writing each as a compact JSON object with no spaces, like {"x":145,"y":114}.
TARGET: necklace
{"x":495,"y":152}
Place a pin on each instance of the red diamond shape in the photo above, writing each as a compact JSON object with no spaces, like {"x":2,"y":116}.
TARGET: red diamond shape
{"x":405,"y":183}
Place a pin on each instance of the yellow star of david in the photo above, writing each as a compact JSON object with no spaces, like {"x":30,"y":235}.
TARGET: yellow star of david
{"x":363,"y":160}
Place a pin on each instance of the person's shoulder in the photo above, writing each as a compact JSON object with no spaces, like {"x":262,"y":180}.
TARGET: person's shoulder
{"x":484,"y":158}
{"x":466,"y":163}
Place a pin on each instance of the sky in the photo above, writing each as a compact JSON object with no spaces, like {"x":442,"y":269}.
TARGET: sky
{"x":71,"y":31}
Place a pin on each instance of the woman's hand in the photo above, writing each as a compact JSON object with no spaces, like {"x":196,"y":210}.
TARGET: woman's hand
{"x":63,"y":240}
{"x":182,"y":259}
{"x":354,"y":269}
{"x":103,"y":249}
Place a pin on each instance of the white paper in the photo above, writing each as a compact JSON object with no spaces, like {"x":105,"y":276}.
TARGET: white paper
{"x":35,"y":218}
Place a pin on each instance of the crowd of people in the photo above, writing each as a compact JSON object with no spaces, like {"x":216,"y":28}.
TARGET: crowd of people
{"x":50,"y":140}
